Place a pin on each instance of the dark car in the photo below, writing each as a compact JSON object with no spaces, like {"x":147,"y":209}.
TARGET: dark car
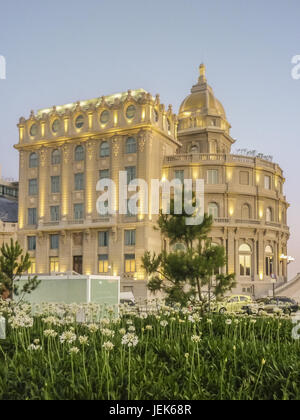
{"x":277,"y":304}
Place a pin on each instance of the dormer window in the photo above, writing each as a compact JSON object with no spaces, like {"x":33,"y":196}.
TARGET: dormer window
{"x":79,"y":122}
{"x":33,"y":130}
{"x":130,"y":112}
{"x":56,"y":126}
{"x":104,"y":117}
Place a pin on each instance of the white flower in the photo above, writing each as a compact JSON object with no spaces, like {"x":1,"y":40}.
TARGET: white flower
{"x":50,"y":333}
{"x":108,"y":345}
{"x":83,"y":340}
{"x":130,"y":339}
{"x":116,"y":321}
{"x":149,"y":327}
{"x":131,"y":328}
{"x":51,"y":320}
{"x":196,"y":339}
{"x":21,"y":320}
{"x":68,"y":337}
{"x":209,"y":321}
{"x":129,"y":322}
{"x":228,"y":321}
{"x":122,"y":331}
{"x":104,"y":321}
{"x":74,"y":350}
{"x":196,"y":318}
{"x":34,"y":347}
{"x":93,"y":328}
{"x":107,"y":333}
{"x":164,"y":323}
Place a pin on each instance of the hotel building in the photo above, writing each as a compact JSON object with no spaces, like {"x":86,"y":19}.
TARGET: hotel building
{"x":65,"y":150}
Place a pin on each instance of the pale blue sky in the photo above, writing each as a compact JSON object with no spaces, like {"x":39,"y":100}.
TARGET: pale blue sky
{"x":63,"y":51}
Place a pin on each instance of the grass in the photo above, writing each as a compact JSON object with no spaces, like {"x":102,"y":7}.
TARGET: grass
{"x":175,"y":355}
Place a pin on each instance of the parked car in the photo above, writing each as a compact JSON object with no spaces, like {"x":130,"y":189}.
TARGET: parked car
{"x":277,"y":304}
{"x":127,"y":298}
{"x":233,"y":304}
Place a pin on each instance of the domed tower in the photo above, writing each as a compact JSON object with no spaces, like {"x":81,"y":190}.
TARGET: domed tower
{"x":203,"y":126}
{"x":243,"y":193}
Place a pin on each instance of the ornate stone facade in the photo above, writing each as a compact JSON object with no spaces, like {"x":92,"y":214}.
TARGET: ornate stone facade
{"x":65,"y":150}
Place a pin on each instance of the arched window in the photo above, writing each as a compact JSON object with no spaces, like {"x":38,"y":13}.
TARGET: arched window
{"x":104,"y":149}
{"x":79,"y":153}
{"x":33,"y":160}
{"x":269,"y":215}
{"x":56,"y":157}
{"x":246,"y":212}
{"x":194,"y":149}
{"x":131,"y":145}
{"x":213,"y":210}
{"x":269,"y":255}
{"x":245,"y":256}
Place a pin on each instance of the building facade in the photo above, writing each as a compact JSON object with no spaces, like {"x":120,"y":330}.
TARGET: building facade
{"x":8,"y":211}
{"x":64,"y":151}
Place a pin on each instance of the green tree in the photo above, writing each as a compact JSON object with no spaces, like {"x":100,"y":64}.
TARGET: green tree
{"x":183,"y":273}
{"x":13,"y":264}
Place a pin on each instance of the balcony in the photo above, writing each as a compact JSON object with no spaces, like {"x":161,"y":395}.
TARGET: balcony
{"x":186,"y":158}
{"x":250,"y":222}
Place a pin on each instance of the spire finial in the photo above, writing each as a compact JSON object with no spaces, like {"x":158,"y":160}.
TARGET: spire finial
{"x":202,"y":72}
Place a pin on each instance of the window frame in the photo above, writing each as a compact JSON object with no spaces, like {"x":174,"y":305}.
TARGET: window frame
{"x":131,"y":146}
{"x":79,"y":155}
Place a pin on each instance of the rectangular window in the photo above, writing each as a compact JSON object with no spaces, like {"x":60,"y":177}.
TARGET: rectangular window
{"x":78,"y":212}
{"x":179,"y":175}
{"x":54,"y":213}
{"x":244,"y":178}
{"x":54,"y":241}
{"x":103,"y":263}
{"x":55,"y":184}
{"x":130,"y":237}
{"x":103,"y":239}
{"x":267,"y":182}
{"x":131,"y":173}
{"x":79,"y":182}
{"x":130,"y":266}
{"x":245,"y":265}
{"x":32,"y":217}
{"x":33,"y":186}
{"x":129,"y":214}
{"x":213,"y":176}
{"x":31,"y":243}
{"x":54,"y":265}
{"x":104,"y":174}
{"x":32,"y":268}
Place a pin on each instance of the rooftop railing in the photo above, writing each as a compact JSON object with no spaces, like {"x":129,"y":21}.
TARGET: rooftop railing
{"x":219,"y":157}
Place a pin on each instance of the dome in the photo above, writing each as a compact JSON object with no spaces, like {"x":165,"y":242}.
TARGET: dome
{"x":202,"y":99}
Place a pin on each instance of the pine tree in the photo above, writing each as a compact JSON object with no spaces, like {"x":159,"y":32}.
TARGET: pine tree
{"x":183,"y":273}
{"x":13,"y":264}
